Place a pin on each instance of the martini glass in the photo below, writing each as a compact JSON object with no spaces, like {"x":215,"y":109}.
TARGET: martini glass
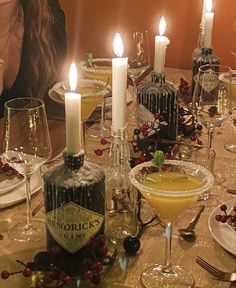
{"x":170,"y":193}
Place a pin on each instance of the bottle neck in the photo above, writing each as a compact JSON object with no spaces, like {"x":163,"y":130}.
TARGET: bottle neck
{"x":73,"y":161}
{"x":158,"y":78}
{"x":206,"y":51}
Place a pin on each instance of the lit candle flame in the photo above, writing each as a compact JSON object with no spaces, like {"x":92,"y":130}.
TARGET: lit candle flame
{"x":118,"y":45}
{"x":162,"y":26}
{"x":73,"y":76}
{"x":208,"y":5}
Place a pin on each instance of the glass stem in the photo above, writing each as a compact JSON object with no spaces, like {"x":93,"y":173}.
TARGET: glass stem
{"x":167,"y":260}
{"x":28,"y":202}
{"x":134,"y":111}
{"x":209,"y":144}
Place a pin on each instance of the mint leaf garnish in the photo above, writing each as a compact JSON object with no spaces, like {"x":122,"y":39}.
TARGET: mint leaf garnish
{"x":89,"y":59}
{"x":158,"y":158}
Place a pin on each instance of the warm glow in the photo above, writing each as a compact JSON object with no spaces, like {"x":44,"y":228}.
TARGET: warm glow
{"x":118,"y":45}
{"x":162,"y":26}
{"x":73,"y":76}
{"x":209,"y":5}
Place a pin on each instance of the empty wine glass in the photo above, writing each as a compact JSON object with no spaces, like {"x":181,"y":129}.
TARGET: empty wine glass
{"x":137,"y":51}
{"x":212,"y":97}
{"x":231,"y":145}
{"x":233,"y":49}
{"x":26,"y":146}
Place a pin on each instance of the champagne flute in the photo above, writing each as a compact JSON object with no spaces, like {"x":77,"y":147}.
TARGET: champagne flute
{"x":26,"y":147}
{"x":137,"y":51}
{"x":170,"y":193}
{"x":212,"y":97}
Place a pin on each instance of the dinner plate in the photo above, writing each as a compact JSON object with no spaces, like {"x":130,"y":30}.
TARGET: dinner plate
{"x":18,"y":194}
{"x":55,"y":94}
{"x":223,"y":234}
{"x":10,"y":184}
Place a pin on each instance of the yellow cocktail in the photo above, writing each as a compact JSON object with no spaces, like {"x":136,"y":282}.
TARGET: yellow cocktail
{"x":167,"y":207}
{"x":170,"y":193}
{"x":100,"y":70}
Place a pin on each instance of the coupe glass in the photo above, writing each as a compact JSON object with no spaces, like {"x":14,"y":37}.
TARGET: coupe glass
{"x":212,"y":97}
{"x":137,"y":51}
{"x":170,"y":200}
{"x":26,"y":146}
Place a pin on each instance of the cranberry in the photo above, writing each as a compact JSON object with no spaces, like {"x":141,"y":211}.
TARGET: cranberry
{"x":27,"y":272}
{"x":104,"y":141}
{"x":98,"y":152}
{"x":5,"y":274}
{"x":223,"y":207}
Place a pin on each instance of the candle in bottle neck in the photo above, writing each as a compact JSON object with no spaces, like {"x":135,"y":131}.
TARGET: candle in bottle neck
{"x":161,"y":43}
{"x":73,"y":114}
{"x":119,"y":85}
{"x":209,"y":17}
{"x":204,"y":9}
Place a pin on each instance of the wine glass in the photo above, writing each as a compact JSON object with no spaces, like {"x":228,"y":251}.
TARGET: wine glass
{"x":233,"y":50}
{"x":170,"y":193}
{"x":137,"y":50}
{"x":26,"y":146}
{"x":212,"y":97}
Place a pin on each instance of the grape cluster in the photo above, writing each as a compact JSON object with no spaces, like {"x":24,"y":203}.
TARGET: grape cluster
{"x":50,"y":268}
{"x":7,"y":170}
{"x":184,"y":90}
{"x":227,"y":217}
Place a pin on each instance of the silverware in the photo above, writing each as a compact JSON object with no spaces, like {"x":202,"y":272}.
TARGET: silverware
{"x":227,"y":189}
{"x":188,"y":233}
{"x":215,"y":272}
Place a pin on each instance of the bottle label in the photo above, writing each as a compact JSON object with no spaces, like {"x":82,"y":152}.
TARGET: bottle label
{"x":208,"y":80}
{"x":72,"y":225}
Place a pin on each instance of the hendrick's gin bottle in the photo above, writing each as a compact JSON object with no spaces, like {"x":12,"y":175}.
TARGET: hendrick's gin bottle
{"x":74,"y":205}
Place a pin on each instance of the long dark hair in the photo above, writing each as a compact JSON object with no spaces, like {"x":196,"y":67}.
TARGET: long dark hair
{"x":43,"y":56}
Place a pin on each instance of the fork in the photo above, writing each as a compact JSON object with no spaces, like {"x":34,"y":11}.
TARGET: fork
{"x":215,"y":272}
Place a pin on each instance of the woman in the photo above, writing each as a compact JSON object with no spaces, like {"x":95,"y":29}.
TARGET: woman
{"x":32,"y":47}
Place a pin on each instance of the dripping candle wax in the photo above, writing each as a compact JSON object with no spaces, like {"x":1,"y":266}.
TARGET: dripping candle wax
{"x":161,"y":43}
{"x":73,"y":114}
{"x":119,"y":85}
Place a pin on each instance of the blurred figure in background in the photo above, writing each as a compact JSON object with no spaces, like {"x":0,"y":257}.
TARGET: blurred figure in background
{"x":32,"y":47}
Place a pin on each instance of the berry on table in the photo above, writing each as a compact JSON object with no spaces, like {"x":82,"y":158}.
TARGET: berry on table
{"x":27,"y":272}
{"x":223,"y":207}
{"x":5,"y":274}
{"x":131,"y":245}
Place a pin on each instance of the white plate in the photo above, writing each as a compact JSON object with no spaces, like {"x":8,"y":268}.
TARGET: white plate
{"x":10,"y":184}
{"x":55,"y":96}
{"x":18,"y":194}
{"x":223,"y":234}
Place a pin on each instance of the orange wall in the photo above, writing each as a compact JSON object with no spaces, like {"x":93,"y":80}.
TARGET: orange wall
{"x":91,"y":26}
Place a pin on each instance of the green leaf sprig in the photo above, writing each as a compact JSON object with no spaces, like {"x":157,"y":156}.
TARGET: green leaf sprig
{"x":89,"y":59}
{"x":158,"y":158}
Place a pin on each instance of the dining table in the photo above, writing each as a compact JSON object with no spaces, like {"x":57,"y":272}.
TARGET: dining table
{"x":126,"y":270}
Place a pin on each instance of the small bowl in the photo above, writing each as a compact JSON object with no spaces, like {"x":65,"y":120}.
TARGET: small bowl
{"x":101,"y":69}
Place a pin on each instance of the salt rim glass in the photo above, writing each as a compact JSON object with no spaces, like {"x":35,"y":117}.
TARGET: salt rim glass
{"x":167,"y":275}
{"x":92,"y":69}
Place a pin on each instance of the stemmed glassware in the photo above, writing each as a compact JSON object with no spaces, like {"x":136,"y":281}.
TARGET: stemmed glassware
{"x":26,"y":147}
{"x":233,"y":50}
{"x":137,"y":50}
{"x":212,"y":97}
{"x":170,"y":193}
